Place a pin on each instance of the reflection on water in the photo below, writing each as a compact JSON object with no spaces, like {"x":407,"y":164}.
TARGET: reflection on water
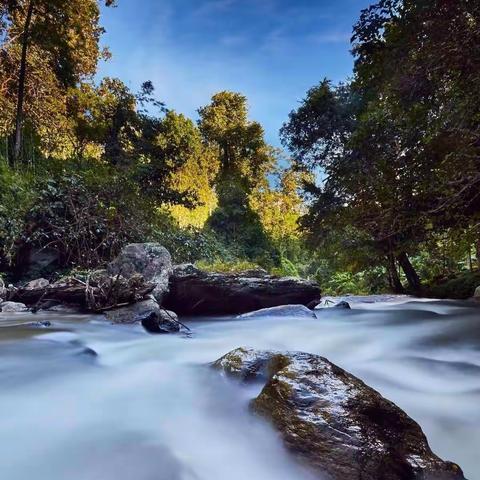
{"x":147,"y":408}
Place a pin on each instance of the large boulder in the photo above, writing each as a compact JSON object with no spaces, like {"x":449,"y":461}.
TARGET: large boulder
{"x":149,"y":313}
{"x":334,"y":422}
{"x":152,"y":261}
{"x":196,"y":292}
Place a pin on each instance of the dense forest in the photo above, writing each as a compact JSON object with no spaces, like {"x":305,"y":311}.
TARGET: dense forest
{"x":378,"y":188}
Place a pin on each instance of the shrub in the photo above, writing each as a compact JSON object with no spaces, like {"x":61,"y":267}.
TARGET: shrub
{"x":16,"y":199}
{"x":459,"y":287}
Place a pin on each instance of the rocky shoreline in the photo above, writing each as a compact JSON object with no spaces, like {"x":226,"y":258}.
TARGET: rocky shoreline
{"x":142,"y":282}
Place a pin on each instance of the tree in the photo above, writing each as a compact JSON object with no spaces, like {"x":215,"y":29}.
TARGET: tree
{"x":64,"y":34}
{"x":241,"y":146}
{"x":398,"y":148}
{"x":363,"y":190}
{"x":112,"y":123}
{"x":245,"y":158}
{"x":279,"y":205}
{"x":419,"y":60}
{"x":197,"y":175}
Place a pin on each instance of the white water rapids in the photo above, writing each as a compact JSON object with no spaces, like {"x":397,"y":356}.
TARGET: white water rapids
{"x":149,"y":408}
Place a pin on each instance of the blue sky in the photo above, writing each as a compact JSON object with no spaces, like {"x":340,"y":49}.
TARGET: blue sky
{"x":270,"y":50}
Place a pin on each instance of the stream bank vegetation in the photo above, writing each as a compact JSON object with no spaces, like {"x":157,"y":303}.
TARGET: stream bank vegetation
{"x":381,"y":193}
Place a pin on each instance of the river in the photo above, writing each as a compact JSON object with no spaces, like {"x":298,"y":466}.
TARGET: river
{"x":147,"y":407}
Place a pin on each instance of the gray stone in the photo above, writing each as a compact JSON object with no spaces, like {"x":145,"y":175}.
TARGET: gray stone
{"x":196,"y":292}
{"x":293,"y":311}
{"x":132,"y":313}
{"x":13,"y":307}
{"x":342,"y":305}
{"x":149,"y":313}
{"x":37,"y":284}
{"x":3,"y":290}
{"x":476,"y":295}
{"x":334,"y":422}
{"x":150,"y":260}
{"x":163,"y":321}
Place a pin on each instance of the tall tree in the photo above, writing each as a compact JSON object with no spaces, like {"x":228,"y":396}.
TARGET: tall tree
{"x":245,"y":158}
{"x":64,"y":33}
{"x":399,"y":148}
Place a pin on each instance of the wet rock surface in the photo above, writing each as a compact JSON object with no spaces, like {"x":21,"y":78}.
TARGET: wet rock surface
{"x":335,"y":422}
{"x":196,"y":292}
{"x":281,"y":311}
{"x":149,"y":313}
{"x":342,"y":305}
{"x":163,"y":321}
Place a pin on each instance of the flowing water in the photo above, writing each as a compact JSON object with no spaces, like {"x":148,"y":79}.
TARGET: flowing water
{"x":149,"y":408}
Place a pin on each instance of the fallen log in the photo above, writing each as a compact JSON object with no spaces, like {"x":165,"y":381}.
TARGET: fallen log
{"x":98,"y":293}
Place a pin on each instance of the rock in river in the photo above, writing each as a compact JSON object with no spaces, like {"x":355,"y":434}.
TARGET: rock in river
{"x":294,"y":311}
{"x":476,"y":295}
{"x":150,"y":260}
{"x":13,"y":307}
{"x":163,"y":321}
{"x":342,"y":305}
{"x":195,"y":292}
{"x":334,"y":422}
{"x":148,"y":312}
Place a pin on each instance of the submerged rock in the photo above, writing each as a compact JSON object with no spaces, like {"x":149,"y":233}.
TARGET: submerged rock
{"x":281,"y":311}
{"x":335,"y":422}
{"x":152,"y":261}
{"x":13,"y":307}
{"x":196,"y":292}
{"x":343,"y":304}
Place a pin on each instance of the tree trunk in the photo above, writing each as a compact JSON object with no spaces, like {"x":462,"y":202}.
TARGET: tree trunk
{"x":478,"y":253}
{"x":17,"y":148}
{"x":412,"y":276}
{"x":393,"y":277}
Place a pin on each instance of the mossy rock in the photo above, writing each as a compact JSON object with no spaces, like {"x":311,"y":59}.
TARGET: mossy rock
{"x":334,"y":422}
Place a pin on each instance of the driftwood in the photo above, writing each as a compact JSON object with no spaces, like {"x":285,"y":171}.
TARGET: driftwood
{"x":98,"y":293}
